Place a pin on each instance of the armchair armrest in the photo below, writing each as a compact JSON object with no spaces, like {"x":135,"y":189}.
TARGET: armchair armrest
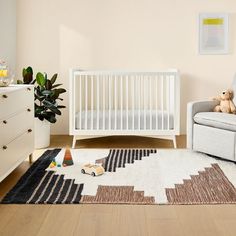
{"x":192,"y":109}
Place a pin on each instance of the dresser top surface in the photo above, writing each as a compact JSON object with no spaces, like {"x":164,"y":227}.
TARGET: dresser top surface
{"x":13,"y":87}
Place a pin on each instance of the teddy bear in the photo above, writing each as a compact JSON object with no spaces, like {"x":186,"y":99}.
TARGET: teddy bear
{"x":226,"y":104}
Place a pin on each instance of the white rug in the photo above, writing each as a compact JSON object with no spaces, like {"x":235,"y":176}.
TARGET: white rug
{"x":165,"y":177}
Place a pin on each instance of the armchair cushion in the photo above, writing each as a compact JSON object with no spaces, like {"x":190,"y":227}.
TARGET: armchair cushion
{"x":216,"y":119}
{"x":193,"y":109}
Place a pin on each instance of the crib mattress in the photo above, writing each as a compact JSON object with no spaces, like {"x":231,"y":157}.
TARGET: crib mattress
{"x":154,"y":120}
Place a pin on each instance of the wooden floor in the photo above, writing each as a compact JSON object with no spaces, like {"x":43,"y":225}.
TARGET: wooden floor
{"x":108,"y":220}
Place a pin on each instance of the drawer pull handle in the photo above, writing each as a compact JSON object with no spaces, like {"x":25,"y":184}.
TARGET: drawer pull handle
{"x":4,"y":122}
{"x":4,"y":96}
{"x":29,"y":89}
{"x":29,"y":110}
{"x":29,"y":130}
{"x":4,"y":147}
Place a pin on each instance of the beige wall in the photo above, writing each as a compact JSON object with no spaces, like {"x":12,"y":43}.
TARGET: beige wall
{"x":55,"y":35}
{"x":8,"y":32}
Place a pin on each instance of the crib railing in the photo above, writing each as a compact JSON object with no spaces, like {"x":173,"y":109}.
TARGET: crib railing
{"x":124,"y":103}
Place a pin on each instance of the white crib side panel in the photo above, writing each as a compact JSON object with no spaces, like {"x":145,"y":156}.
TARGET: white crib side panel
{"x":114,"y":102}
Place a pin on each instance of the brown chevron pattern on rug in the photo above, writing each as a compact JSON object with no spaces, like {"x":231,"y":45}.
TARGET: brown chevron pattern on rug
{"x":210,"y":186}
{"x":118,"y":194}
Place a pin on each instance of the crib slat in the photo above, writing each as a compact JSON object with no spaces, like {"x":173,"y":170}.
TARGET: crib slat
{"x":109,"y":102}
{"x":104,"y":97}
{"x":127,"y":102}
{"x":121,"y":102}
{"x":115,"y":98}
{"x":92,"y":109}
{"x":162,"y":101}
{"x":80,"y":102}
{"x":168,"y":102}
{"x":156,"y":92}
{"x":133,"y":98}
{"x":98,"y":102}
{"x":144,"y":102}
{"x":139,"y":102}
{"x":86,"y":102}
{"x":150,"y":102}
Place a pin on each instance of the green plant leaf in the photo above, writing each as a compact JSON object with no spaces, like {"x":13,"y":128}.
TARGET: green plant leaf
{"x":51,"y":107}
{"x":60,"y":106}
{"x":55,"y":94}
{"x":28,"y":78}
{"x":47,"y":92}
{"x":56,"y":85}
{"x":29,"y":70}
{"x":39,"y":109}
{"x":48,"y":84}
{"x":24,"y":72}
{"x":50,"y":116}
{"x":40,"y":98}
{"x":54,"y":78}
{"x":51,"y":119}
{"x":40,"y":78}
{"x":61,"y":90}
{"x":27,"y":75}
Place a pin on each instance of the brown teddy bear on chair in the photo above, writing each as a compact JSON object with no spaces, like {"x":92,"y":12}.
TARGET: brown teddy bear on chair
{"x":226,"y":104}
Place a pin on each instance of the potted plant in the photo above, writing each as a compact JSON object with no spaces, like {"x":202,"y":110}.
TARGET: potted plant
{"x":46,"y":108}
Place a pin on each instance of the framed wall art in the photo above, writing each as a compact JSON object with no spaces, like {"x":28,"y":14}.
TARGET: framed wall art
{"x":213,"y":33}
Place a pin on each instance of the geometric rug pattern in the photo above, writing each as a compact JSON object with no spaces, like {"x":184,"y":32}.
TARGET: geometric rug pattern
{"x":117,"y":158}
{"x":209,"y":186}
{"x":132,"y":176}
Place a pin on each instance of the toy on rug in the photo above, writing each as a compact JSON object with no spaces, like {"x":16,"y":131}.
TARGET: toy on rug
{"x":53,"y":163}
{"x":92,"y":169}
{"x":68,"y":161}
{"x":226,"y":104}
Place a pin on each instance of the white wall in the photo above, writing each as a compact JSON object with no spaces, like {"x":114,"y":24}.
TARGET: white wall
{"x":54,"y":35}
{"x":8,"y":32}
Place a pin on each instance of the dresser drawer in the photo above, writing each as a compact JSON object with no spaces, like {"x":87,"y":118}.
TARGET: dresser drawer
{"x":14,"y":101}
{"x":15,"y":151}
{"x":13,"y":126}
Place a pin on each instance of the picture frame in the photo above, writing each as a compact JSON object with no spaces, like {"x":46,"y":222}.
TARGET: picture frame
{"x":213,"y":33}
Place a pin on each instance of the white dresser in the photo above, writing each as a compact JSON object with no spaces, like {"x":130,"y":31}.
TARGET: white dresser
{"x":16,"y":126}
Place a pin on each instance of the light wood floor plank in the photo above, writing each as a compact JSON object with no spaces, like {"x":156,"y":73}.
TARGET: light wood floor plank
{"x":26,"y":220}
{"x":197,"y":220}
{"x":165,"y":227}
{"x":129,"y":220}
{"x":94,"y":220}
{"x":6,"y":214}
{"x":226,"y":227}
{"x":61,"y":220}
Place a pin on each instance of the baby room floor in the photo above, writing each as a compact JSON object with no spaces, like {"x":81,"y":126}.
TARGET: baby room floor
{"x":112,"y":219}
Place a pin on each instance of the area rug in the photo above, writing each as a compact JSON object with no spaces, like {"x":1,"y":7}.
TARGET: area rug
{"x":132,"y":176}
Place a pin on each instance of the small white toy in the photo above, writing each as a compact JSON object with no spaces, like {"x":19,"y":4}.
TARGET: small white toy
{"x":92,"y":169}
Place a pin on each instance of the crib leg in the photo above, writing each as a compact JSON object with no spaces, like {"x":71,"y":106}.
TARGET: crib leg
{"x":74,"y":141}
{"x":174,"y":141}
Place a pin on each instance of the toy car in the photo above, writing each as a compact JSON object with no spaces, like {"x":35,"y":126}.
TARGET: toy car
{"x":92,"y":169}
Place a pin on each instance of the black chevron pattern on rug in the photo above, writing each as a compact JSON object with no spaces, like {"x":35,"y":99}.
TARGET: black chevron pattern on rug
{"x":38,"y":186}
{"x":117,"y":158}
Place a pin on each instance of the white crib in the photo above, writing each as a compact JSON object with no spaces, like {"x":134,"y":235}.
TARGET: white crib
{"x":104,"y":103}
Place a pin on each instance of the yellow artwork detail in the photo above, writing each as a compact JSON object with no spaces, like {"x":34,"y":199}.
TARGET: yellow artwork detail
{"x":213,"y":21}
{"x":3,"y":73}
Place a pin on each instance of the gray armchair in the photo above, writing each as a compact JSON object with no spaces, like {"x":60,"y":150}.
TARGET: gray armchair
{"x":211,"y":132}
